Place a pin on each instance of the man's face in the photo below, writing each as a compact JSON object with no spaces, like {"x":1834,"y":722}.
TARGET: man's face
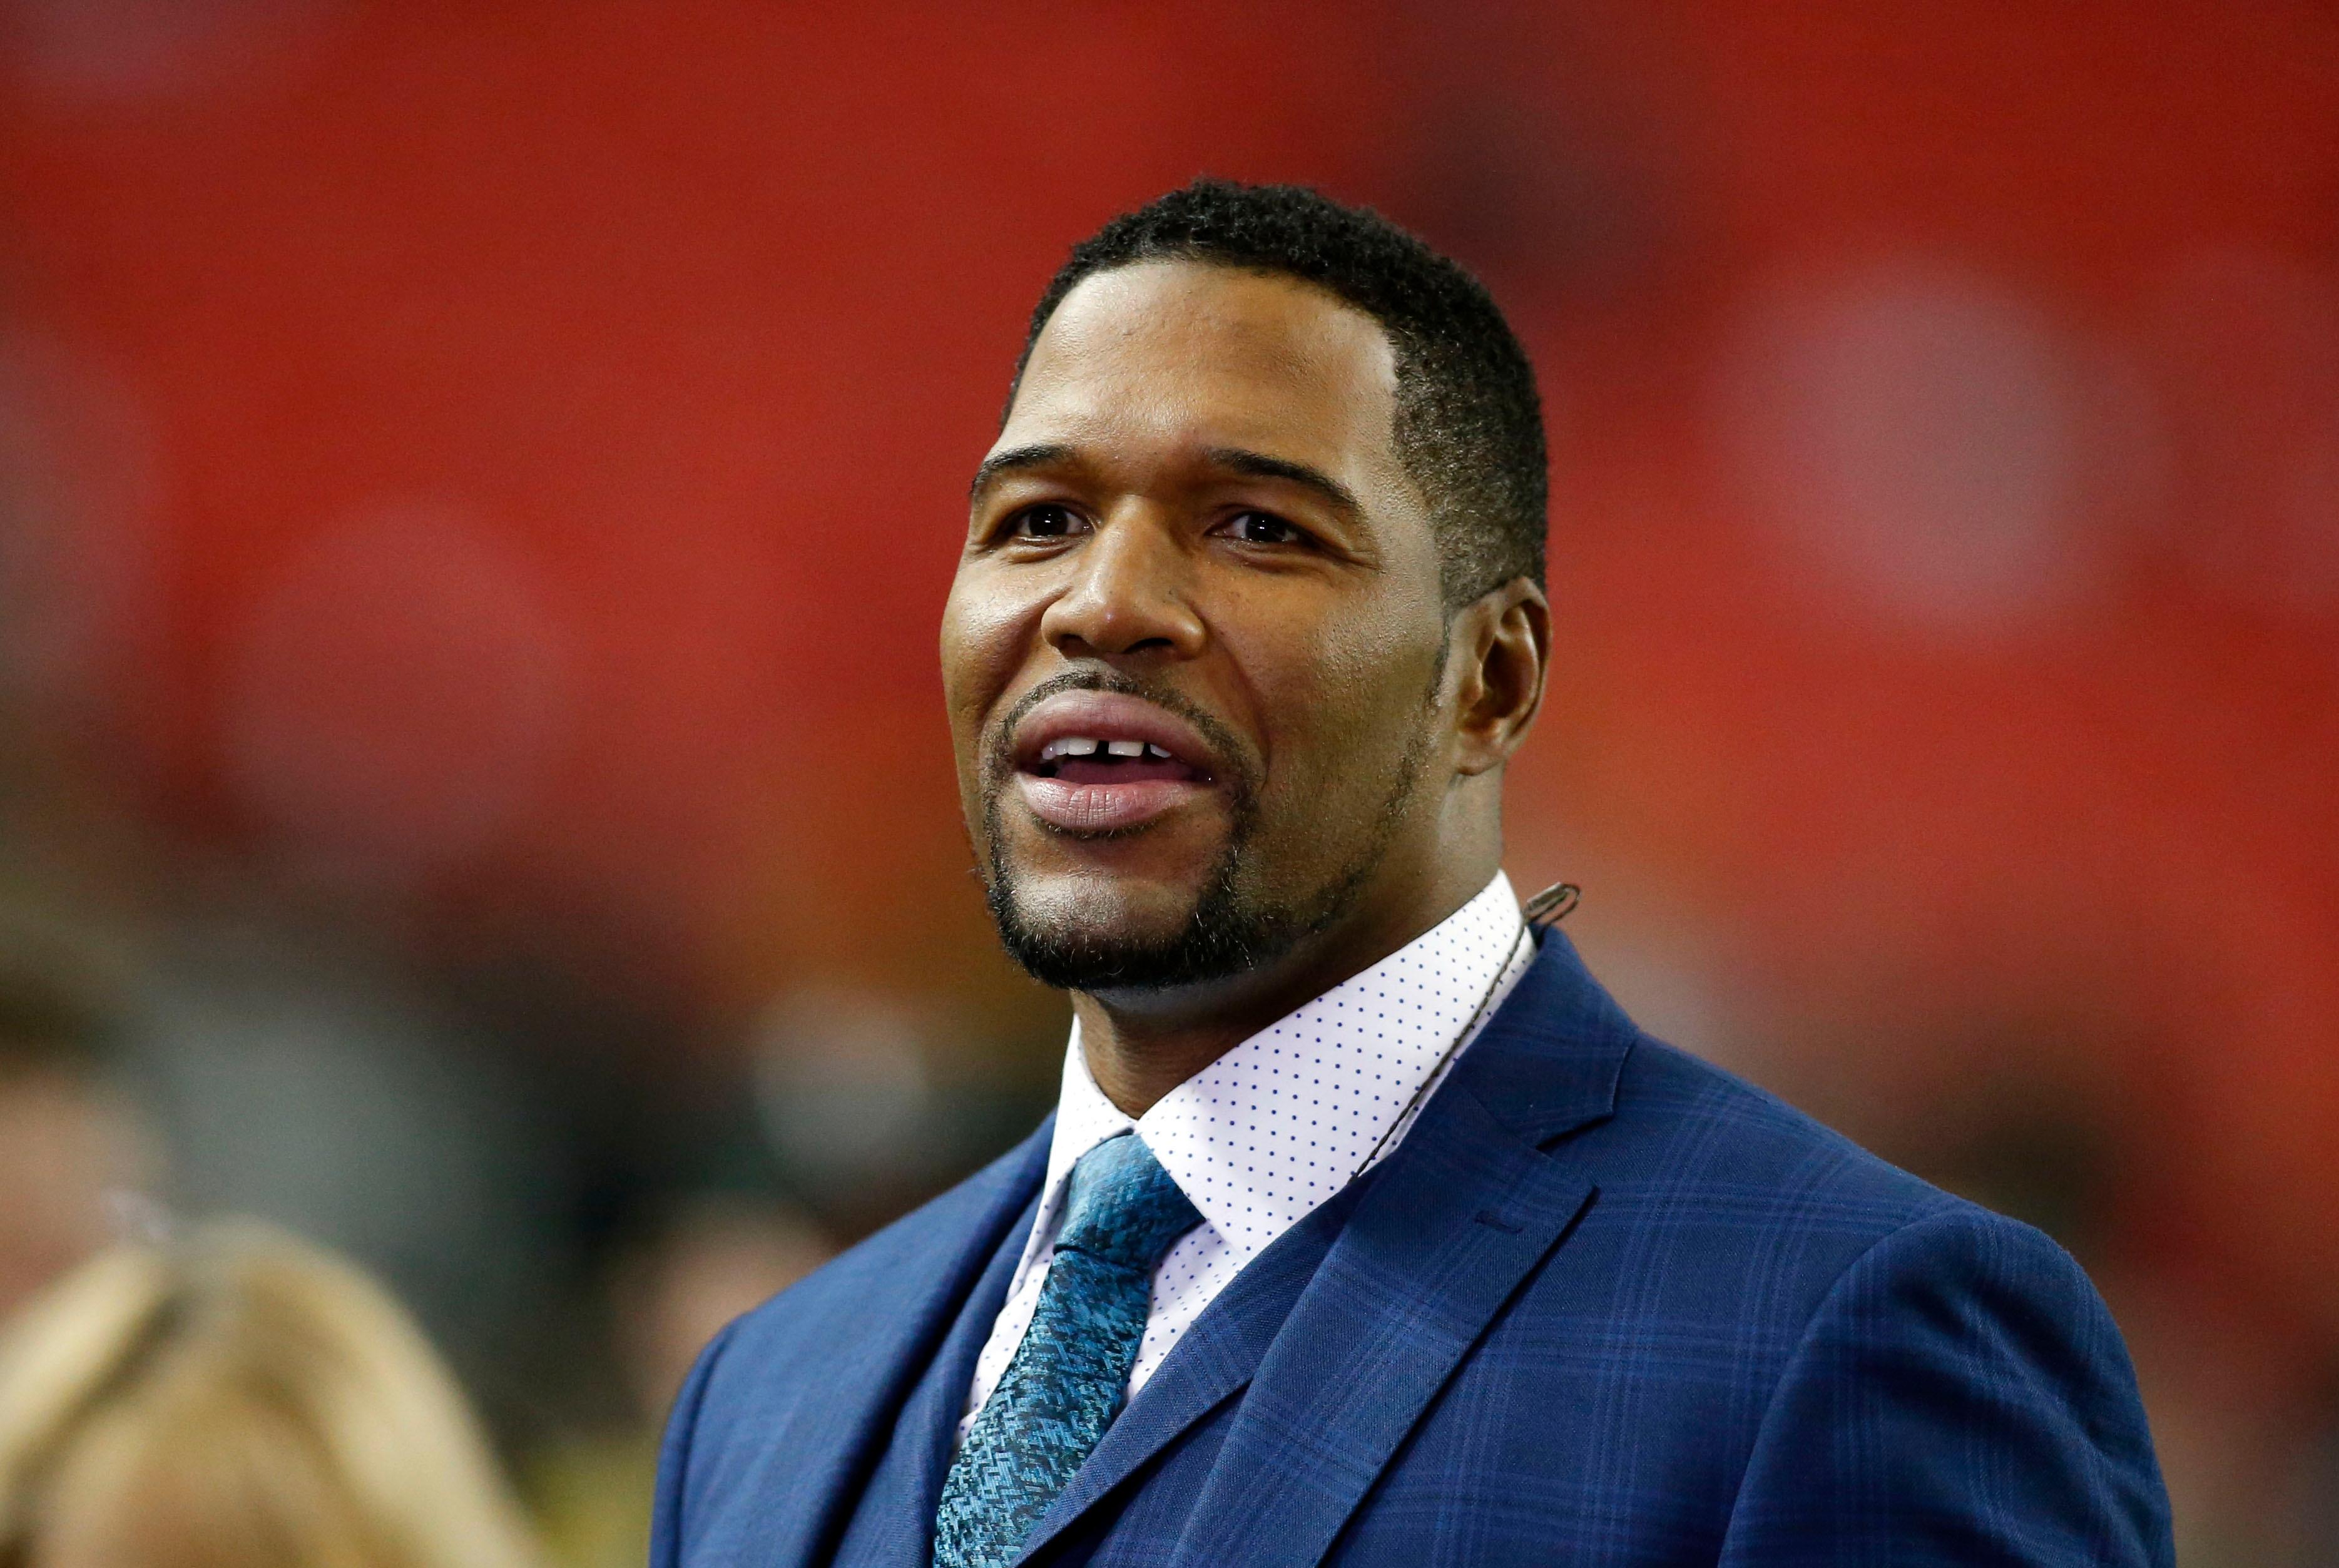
{"x":1193,"y":651}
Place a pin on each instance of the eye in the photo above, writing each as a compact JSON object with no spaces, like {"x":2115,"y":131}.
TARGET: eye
{"x":1046,"y":521}
{"x":1264,"y":528}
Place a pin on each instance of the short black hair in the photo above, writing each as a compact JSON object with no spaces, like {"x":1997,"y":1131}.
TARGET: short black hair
{"x":1469,"y":423}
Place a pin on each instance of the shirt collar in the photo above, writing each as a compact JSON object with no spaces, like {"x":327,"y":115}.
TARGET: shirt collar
{"x":1323,"y":1088}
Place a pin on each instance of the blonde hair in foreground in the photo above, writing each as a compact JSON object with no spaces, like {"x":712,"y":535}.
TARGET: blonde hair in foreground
{"x":239,"y":1398}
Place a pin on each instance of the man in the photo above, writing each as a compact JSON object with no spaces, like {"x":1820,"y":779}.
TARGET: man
{"x":1367,"y":1228}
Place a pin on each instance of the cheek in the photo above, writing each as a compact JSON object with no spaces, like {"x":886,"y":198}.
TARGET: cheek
{"x":985,"y":636}
{"x":1342,"y":701}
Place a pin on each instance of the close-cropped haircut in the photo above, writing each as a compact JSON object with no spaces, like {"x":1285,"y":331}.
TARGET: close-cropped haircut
{"x":1469,"y":424}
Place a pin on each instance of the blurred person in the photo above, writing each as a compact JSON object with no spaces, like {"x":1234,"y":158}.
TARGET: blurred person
{"x":71,"y":1144}
{"x":713,"y":1260}
{"x":238,"y":1397}
{"x":1367,"y":1228}
{"x":708,"y":1262}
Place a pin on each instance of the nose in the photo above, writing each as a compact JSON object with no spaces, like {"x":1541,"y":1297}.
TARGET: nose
{"x":1129,"y":596}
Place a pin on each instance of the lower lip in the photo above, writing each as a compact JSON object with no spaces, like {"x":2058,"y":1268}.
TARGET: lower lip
{"x":1080,"y":808}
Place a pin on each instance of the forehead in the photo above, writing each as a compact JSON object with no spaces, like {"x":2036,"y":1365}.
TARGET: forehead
{"x":1198,"y":355}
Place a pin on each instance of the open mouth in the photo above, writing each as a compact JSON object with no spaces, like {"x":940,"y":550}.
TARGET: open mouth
{"x":1089,"y":763}
{"x":1095,"y":760}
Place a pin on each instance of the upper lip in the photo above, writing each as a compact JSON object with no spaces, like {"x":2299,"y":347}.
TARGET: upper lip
{"x":1111,"y":716}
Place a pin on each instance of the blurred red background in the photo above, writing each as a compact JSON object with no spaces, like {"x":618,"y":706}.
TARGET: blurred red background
{"x":479,"y":480}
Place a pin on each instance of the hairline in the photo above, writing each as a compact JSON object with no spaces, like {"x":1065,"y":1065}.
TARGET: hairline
{"x":1405,"y":359}
{"x":1200,"y":257}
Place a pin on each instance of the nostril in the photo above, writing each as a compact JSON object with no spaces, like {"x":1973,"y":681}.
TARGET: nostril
{"x":1077,"y":645}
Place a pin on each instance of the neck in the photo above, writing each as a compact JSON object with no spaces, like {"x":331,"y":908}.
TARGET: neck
{"x":1141,"y":1045}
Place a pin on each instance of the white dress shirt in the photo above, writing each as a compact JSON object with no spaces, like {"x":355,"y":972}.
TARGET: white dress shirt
{"x":1261,"y":1136}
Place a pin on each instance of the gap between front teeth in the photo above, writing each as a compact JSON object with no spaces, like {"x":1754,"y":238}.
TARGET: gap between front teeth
{"x":1088,"y":745}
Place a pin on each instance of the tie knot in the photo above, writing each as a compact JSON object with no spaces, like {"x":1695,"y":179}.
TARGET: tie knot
{"x":1120,"y":1206}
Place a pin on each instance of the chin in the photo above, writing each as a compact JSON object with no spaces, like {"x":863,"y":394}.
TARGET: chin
{"x":1106,"y":935}
{"x":1092,"y":934}
{"x":1109,"y":912}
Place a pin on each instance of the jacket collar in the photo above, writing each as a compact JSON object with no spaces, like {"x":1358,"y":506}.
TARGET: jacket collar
{"x":1342,"y":1359}
{"x":1547,"y":1063}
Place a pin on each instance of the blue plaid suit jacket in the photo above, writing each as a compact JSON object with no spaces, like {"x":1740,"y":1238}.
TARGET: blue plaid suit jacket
{"x":1605,"y":1303}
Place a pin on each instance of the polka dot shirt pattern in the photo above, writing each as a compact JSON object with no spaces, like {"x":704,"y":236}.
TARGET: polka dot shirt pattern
{"x":1260,"y":1136}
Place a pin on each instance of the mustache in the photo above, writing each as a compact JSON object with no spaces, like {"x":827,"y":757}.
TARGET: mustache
{"x":998,"y":751}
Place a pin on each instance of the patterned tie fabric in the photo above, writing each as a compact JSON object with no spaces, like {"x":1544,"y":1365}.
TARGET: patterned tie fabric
{"x":1065,"y":1384}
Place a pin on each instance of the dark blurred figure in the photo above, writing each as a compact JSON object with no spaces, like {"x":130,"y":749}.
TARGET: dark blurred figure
{"x":714,"y":1259}
{"x":71,"y":1147}
{"x":707,"y":1260}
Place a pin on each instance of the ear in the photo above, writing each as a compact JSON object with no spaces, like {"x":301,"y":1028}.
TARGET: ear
{"x":1502,"y":643}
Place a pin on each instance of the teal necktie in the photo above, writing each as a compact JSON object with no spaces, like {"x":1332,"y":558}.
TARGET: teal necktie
{"x":1064,"y":1387}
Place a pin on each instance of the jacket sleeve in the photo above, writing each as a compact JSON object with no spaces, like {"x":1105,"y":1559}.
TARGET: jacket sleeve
{"x":1961,"y":1396}
{"x":667,"y":1509}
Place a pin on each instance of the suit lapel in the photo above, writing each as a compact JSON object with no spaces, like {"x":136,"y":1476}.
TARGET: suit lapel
{"x":1214,"y":1358}
{"x":904,"y":1492}
{"x":827,"y":1455}
{"x":1431,"y":1255}
{"x":1348,"y":1326}
{"x":1455,"y":1219}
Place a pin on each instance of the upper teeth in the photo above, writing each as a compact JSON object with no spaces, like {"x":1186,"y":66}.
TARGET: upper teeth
{"x":1088,"y":745}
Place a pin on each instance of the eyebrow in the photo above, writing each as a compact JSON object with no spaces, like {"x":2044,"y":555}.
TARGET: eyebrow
{"x":1260,"y":466}
{"x":1014,"y":460}
{"x":1236,"y":459}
